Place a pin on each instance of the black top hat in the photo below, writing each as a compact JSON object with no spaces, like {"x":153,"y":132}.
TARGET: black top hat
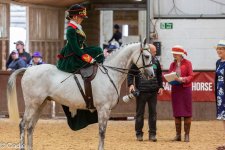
{"x":77,"y":10}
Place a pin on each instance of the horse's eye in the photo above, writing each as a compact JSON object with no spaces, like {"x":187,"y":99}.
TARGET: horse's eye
{"x":147,"y":56}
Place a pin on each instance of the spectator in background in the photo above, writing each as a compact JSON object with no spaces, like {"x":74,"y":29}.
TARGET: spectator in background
{"x":113,"y":46}
{"x":220,"y":85}
{"x":182,"y":93}
{"x":16,"y":62}
{"x":117,"y":35}
{"x":149,"y":88}
{"x":36,"y":59}
{"x":22,"y":53}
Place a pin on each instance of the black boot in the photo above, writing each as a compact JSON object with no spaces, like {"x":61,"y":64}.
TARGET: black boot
{"x":187,"y":126}
{"x":152,"y":138}
{"x":139,"y":137}
{"x":178,"y":129}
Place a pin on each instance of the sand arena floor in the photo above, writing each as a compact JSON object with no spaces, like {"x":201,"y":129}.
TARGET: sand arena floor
{"x":120,"y":135}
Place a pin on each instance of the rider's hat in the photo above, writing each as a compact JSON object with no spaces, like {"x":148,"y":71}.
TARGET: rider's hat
{"x":77,"y":10}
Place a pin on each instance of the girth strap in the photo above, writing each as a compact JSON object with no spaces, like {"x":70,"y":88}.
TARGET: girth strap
{"x":88,"y":98}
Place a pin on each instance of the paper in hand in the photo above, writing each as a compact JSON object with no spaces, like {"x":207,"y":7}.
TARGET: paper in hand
{"x":170,"y":78}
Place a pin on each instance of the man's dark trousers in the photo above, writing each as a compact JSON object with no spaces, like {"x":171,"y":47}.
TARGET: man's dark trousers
{"x":141,"y":100}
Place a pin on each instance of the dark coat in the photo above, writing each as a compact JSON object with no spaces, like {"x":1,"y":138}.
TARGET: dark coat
{"x":143,"y":84}
{"x":117,"y":36}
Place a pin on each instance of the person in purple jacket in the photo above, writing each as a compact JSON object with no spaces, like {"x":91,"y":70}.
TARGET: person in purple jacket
{"x":36,"y":59}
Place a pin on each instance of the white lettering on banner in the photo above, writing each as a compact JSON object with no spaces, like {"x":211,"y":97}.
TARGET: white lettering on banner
{"x":202,"y":86}
{"x":196,"y":86}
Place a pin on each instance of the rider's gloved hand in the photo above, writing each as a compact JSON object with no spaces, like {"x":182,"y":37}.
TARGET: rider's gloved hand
{"x":87,"y":58}
{"x":92,"y":61}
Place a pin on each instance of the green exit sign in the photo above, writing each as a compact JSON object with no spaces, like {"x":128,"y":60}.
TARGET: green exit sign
{"x":166,"y":25}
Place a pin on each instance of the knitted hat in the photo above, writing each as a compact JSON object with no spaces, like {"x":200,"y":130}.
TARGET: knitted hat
{"x":177,"y":49}
{"x":37,"y":54}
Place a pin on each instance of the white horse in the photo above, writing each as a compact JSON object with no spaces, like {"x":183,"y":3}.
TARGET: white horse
{"x":42,"y":83}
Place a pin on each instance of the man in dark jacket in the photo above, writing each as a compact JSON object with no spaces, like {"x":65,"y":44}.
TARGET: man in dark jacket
{"x":117,"y":35}
{"x":149,"y":88}
{"x":22,"y":53}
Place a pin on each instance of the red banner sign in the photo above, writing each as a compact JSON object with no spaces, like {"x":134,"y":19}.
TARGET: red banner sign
{"x":202,"y":88}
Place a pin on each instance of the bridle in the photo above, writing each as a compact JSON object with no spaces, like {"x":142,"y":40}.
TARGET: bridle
{"x":123,"y":70}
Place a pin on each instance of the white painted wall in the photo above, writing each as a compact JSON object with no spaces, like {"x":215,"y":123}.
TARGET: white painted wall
{"x":197,"y":36}
{"x":106,"y":26}
{"x":142,"y":23}
{"x":189,"y":7}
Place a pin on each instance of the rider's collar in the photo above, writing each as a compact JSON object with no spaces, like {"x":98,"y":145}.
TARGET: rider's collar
{"x":77,"y":25}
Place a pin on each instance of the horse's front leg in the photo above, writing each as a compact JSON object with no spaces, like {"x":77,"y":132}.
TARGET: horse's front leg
{"x":103,"y":117}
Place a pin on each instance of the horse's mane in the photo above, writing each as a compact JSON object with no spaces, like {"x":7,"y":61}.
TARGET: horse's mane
{"x":118,"y":50}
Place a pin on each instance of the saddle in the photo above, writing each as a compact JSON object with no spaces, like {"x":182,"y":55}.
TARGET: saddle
{"x":87,"y":74}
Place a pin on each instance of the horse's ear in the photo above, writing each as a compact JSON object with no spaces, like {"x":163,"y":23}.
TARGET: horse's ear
{"x":144,"y":42}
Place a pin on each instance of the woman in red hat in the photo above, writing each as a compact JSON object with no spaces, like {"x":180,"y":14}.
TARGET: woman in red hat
{"x":76,"y":53}
{"x":182,"y":93}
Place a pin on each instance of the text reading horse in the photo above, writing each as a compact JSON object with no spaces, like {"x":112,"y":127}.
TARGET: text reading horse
{"x":42,"y":83}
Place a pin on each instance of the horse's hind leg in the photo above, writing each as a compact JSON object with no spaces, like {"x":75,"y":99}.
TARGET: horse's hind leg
{"x":22,"y":134}
{"x":103,"y":117}
{"x":31,"y":117}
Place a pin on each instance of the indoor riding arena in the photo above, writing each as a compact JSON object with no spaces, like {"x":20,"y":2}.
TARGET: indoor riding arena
{"x":54,"y":134}
{"x":41,"y":25}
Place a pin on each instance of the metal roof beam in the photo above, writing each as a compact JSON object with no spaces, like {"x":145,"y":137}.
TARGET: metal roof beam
{"x":119,"y":6}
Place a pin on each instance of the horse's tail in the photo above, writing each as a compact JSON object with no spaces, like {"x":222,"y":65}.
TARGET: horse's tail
{"x":12,"y":95}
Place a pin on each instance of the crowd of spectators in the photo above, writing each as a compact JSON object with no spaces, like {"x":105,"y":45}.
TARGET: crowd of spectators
{"x":19,"y":58}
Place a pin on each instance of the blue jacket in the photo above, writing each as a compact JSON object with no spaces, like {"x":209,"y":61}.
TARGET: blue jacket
{"x":17,"y":64}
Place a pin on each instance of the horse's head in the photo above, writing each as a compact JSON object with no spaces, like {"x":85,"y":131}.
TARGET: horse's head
{"x":143,"y":60}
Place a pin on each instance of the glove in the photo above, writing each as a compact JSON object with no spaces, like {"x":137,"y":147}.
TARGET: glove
{"x":92,"y":61}
{"x":87,"y":58}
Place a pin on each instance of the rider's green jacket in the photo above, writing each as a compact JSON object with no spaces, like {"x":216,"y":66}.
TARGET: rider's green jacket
{"x":76,"y":53}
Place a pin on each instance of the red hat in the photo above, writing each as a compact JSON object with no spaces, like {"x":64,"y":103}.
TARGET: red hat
{"x":177,"y":49}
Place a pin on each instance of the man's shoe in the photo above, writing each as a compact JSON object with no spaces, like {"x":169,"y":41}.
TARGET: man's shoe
{"x":139,"y":138}
{"x":152,"y":138}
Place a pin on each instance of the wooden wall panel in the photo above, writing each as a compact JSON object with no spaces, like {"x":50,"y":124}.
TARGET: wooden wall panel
{"x":48,"y":36}
{"x":4,"y":33}
{"x":130,"y":18}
